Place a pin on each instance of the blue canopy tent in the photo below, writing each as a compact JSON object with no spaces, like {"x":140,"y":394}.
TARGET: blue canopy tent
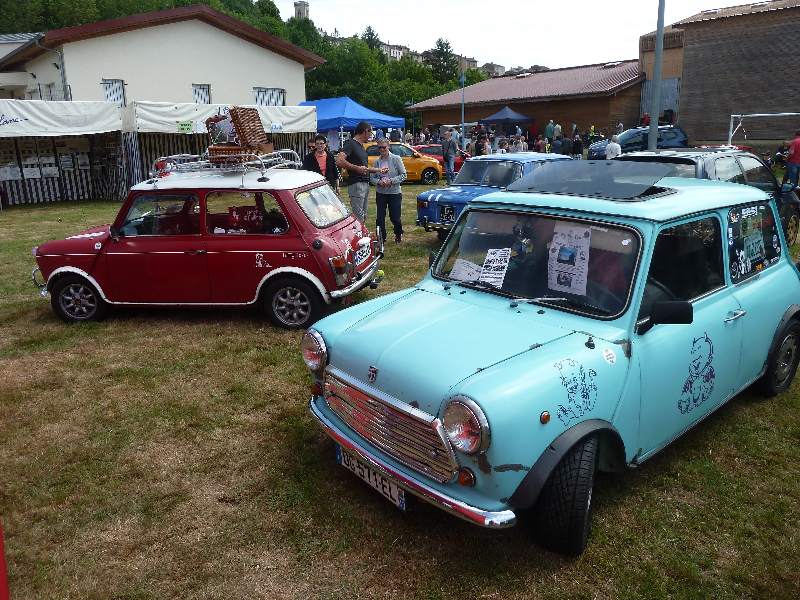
{"x":346,"y":113}
{"x":505,"y":116}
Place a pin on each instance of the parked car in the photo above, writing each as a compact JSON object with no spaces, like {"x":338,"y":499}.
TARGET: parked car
{"x":632,"y":140}
{"x":579,"y":322}
{"x":736,"y":166}
{"x":435,"y":151}
{"x":438,"y":209}
{"x":419,"y":167}
{"x":205,"y":235}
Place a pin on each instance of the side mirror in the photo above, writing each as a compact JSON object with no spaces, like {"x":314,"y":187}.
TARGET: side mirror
{"x":672,"y":312}
{"x":114,"y":233}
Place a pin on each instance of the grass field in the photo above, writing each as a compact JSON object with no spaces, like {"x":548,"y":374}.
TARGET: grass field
{"x":169,"y":454}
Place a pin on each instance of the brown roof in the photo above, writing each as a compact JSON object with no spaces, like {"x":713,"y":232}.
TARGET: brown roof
{"x":741,"y":9}
{"x":201,"y":12}
{"x":590,"y":80}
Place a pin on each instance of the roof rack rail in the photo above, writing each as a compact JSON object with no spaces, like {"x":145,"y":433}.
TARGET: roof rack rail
{"x":230,"y":163}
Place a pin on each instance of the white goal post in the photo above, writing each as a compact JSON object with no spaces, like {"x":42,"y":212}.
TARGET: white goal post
{"x":741,"y":118}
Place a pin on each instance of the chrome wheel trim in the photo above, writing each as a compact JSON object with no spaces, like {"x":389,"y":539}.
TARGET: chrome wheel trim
{"x":78,"y":301}
{"x":429,"y":176}
{"x":787,"y":356}
{"x":291,"y":306}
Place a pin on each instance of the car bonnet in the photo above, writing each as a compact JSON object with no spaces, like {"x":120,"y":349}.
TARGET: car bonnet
{"x":457,"y":193}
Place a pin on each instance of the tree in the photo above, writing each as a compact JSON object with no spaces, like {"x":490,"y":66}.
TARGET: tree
{"x":473,"y":76}
{"x":304,"y":33}
{"x":371,"y":38}
{"x":442,"y":62}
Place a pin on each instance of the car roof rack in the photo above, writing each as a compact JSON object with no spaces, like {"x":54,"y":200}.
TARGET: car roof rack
{"x":240,"y":162}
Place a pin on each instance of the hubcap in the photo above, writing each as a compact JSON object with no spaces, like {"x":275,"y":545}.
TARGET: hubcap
{"x":291,"y":306}
{"x":78,"y":301}
{"x":787,"y":355}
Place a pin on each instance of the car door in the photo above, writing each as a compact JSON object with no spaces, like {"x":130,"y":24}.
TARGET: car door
{"x":413,"y":165}
{"x":160,"y":256}
{"x":686,"y":370}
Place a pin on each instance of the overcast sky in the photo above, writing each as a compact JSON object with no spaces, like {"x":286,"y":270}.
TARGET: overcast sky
{"x":508,"y":32}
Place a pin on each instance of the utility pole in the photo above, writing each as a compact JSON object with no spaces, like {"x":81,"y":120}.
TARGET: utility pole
{"x":655,"y":105}
{"x":462,"y":135}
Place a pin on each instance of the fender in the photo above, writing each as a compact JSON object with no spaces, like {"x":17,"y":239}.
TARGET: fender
{"x":793,"y":312}
{"x":294,"y":271}
{"x":80,"y":272}
{"x":527,"y":493}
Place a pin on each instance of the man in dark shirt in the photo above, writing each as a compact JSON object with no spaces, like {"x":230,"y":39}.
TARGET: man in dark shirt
{"x":353,"y":157}
{"x":449,"y":149}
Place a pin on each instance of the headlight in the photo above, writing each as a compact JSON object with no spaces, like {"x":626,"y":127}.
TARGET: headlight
{"x":315,"y":353}
{"x":466,"y":426}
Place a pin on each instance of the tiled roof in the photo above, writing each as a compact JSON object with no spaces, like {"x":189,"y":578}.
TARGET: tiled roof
{"x":6,"y":38}
{"x":589,"y":80}
{"x":741,"y":9}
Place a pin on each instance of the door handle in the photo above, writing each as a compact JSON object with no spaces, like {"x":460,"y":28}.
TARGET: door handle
{"x":195,"y":252}
{"x":735,"y":314}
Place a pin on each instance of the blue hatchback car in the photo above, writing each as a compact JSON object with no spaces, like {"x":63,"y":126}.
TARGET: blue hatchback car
{"x":579,"y":322}
{"x":438,"y":209}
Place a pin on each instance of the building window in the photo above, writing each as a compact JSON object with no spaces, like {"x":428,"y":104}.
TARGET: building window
{"x":114,"y":90}
{"x":201,"y":93}
{"x":270,"y":96}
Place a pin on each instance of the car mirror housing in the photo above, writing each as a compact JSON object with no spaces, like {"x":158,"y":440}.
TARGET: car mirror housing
{"x":114,"y":233}
{"x":672,"y":312}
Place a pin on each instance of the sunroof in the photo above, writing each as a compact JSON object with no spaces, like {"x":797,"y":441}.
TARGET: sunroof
{"x":615,"y":180}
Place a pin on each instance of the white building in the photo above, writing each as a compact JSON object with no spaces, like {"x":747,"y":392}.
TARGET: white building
{"x":185,"y":54}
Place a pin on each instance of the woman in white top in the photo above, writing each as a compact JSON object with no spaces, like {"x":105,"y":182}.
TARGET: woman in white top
{"x":613,"y":149}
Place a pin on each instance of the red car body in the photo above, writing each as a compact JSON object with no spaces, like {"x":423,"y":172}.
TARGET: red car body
{"x":193,"y":257}
{"x":435,"y":150}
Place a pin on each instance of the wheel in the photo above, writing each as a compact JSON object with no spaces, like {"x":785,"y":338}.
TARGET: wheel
{"x":74,"y":299}
{"x":782,"y":365}
{"x":441,"y":235}
{"x":563,"y":511}
{"x":292,"y":303}
{"x":430,"y":176}
{"x":792,"y":228}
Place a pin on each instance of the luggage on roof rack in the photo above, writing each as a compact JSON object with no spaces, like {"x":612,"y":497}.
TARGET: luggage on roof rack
{"x":239,"y":163}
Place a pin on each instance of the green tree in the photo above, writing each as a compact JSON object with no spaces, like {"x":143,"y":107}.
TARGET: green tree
{"x":473,"y":76}
{"x":371,"y":38}
{"x":304,"y":33}
{"x":442,"y":62}
{"x":63,"y":13}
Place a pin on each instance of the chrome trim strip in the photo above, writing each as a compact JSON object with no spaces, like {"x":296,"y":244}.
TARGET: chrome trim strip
{"x":366,"y":278}
{"x":491,"y":519}
{"x":42,"y":285}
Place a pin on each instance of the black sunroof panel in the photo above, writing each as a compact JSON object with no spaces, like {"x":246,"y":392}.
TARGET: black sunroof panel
{"x":616,"y":180}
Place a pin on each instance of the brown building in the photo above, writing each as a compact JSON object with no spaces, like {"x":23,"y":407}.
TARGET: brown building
{"x":600,"y":95}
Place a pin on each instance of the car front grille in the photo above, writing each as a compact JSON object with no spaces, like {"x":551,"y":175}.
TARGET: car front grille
{"x":410,"y":436}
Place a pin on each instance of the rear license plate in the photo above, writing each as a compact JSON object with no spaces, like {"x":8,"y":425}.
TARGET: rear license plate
{"x":380,"y":483}
{"x":363,"y":254}
{"x":448,"y":213}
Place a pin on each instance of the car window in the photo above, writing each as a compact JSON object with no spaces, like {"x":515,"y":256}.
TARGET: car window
{"x":686,"y":263}
{"x":433,"y":150}
{"x":497,"y":173}
{"x":237,"y":213}
{"x":753,"y":242}
{"x":401,"y":150}
{"x":322,"y":206}
{"x":162,"y":214}
{"x":372,"y":150}
{"x":757,"y":174}
{"x":631,"y":139}
{"x":727,"y":169}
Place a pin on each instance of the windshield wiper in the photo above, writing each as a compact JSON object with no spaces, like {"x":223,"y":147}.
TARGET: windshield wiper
{"x":479,"y":284}
{"x":547,"y":299}
{"x":571,"y":302}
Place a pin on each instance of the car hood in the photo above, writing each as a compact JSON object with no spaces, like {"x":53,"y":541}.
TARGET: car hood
{"x":597,"y":146}
{"x":426,"y":343}
{"x":457,"y":193}
{"x":89,"y":241}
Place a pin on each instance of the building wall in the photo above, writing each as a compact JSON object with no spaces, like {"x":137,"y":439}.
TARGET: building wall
{"x":161,"y":63}
{"x":44,"y":68}
{"x":624,"y":106}
{"x":671,"y":67}
{"x":739,"y":65}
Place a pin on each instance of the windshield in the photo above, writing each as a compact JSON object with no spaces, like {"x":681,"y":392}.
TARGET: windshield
{"x":496,"y":173}
{"x":322,"y":206}
{"x":570,"y":264}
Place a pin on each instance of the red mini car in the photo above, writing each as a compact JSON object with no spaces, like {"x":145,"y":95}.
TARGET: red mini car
{"x":435,"y":150}
{"x":205,"y":235}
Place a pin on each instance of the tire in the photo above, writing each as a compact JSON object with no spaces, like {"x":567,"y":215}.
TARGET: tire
{"x":564,"y":509}
{"x":75,"y":300}
{"x":441,"y":235}
{"x":292,"y":303}
{"x":782,"y":364}
{"x":792,"y":228}
{"x":430,"y":176}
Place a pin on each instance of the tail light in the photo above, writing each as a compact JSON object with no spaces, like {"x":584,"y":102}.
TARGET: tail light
{"x":343,"y":268}
{"x":422,"y":204}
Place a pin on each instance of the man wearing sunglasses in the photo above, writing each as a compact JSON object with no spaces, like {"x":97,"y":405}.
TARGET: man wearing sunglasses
{"x":353,"y":157}
{"x":388,"y":192}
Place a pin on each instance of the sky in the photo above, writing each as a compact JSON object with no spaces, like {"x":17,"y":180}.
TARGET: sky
{"x":508,"y":32}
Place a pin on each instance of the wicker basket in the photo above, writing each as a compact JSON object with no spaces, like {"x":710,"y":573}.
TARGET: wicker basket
{"x":249,"y":129}
{"x":220,"y":154}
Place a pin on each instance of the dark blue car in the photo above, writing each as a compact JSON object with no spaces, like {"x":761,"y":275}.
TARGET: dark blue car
{"x":634,"y":140}
{"x":438,"y":209}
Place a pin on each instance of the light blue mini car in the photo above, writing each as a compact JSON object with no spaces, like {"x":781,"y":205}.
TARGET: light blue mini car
{"x":580,"y":321}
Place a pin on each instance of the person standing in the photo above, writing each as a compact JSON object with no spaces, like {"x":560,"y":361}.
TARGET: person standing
{"x":353,"y":157}
{"x":793,"y":161}
{"x":556,"y":147}
{"x":540,"y":144}
{"x":321,"y":161}
{"x":557,"y":131}
{"x":392,"y":172}
{"x":449,"y":149}
{"x":577,"y":147}
{"x":409,"y":137}
{"x":548,"y":130}
{"x":613,"y":149}
{"x":566,"y":146}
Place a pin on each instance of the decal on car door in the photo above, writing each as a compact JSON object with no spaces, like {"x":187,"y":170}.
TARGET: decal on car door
{"x":698,"y":386}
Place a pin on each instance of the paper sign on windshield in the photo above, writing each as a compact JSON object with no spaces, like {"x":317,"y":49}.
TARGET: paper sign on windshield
{"x":568,"y":260}
{"x":495,"y":265}
{"x":464,"y":270}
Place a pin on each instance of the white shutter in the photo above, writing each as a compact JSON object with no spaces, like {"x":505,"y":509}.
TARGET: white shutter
{"x":114,"y":90}
{"x":201,"y":93}
{"x":269,"y":96}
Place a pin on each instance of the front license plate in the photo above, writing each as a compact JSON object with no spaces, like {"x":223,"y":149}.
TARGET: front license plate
{"x":363,"y":254}
{"x":448,"y":213}
{"x":382,"y":484}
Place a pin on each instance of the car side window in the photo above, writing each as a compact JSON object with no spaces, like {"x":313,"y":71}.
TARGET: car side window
{"x":162,"y":214}
{"x":753,"y":241}
{"x":637,"y":140}
{"x":727,"y":169}
{"x":686,"y":263}
{"x":372,"y":150}
{"x":433,"y":150}
{"x":757,"y":174}
{"x":237,"y":213}
{"x":401,"y":150}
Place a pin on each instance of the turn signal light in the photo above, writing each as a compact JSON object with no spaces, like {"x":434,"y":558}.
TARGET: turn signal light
{"x":339,"y":262}
{"x":316,"y":389}
{"x":466,"y":477}
{"x":544,"y":418}
{"x":422,"y":204}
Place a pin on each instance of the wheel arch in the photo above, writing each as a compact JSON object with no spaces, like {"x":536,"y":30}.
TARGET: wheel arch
{"x":292,"y":272}
{"x":611,"y":457}
{"x":792,"y":314}
{"x":64,"y":271}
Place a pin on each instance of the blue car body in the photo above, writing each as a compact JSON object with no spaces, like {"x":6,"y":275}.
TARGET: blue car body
{"x":439,"y":208}
{"x":547,"y":377}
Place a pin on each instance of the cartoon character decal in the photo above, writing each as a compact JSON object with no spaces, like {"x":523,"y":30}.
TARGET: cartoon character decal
{"x":581,"y":390}
{"x":700,"y":383}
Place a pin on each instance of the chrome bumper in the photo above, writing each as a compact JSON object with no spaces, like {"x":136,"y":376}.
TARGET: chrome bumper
{"x":366,"y":278}
{"x":42,"y":286}
{"x":491,"y":519}
{"x":429,"y":225}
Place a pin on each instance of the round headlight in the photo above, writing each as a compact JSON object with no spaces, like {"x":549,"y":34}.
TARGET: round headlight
{"x":466,"y":426}
{"x":315,"y":354}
